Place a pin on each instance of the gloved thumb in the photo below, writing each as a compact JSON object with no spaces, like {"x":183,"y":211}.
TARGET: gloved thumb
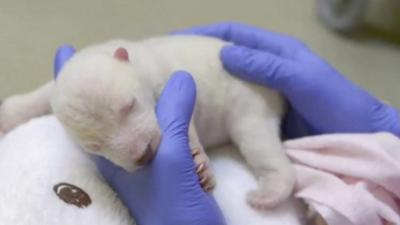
{"x":176,"y":103}
{"x":256,"y":66}
{"x":63,"y":54}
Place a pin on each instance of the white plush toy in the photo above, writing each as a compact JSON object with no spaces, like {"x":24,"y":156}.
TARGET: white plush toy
{"x":46,"y":179}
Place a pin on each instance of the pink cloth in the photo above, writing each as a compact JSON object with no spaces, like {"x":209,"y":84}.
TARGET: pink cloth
{"x":350,"y":179}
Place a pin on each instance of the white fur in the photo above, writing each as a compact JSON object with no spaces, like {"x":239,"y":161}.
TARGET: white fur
{"x":39,"y":154}
{"x":33,"y":159}
{"x":107,"y":106}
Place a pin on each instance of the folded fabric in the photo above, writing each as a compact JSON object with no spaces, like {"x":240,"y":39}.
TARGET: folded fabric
{"x":349,"y":179}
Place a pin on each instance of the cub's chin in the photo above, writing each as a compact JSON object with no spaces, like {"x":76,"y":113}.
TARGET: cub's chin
{"x":136,"y":159}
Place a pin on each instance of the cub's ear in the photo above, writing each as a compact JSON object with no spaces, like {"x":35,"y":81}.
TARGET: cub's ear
{"x":121,"y":54}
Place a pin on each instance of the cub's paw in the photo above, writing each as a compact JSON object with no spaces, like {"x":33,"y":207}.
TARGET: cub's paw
{"x":203,"y":169}
{"x":1,"y":129}
{"x":274,"y":189}
{"x":7,"y":118}
{"x":11,"y":115}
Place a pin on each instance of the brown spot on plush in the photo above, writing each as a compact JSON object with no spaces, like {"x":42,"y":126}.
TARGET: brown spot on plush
{"x":72,"y":194}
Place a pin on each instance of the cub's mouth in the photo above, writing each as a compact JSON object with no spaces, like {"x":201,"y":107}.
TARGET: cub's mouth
{"x":147,"y":156}
{"x":150,"y":151}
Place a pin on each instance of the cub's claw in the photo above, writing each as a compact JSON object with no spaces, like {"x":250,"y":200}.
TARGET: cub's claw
{"x":203,"y":170}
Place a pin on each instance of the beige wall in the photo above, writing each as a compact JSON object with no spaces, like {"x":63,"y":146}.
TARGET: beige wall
{"x":32,"y":29}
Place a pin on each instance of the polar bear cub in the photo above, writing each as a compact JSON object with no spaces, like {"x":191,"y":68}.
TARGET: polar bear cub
{"x":105,"y":96}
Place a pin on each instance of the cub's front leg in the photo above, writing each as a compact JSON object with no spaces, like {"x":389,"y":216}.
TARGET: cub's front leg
{"x":19,"y":109}
{"x":201,"y":160}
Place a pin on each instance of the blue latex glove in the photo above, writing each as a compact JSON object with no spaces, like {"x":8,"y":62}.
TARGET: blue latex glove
{"x":166,"y":192}
{"x":322,"y":100}
{"x":63,"y":53}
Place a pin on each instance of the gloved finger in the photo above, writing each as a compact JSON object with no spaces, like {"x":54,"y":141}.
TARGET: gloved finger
{"x":257,"y":66}
{"x":249,"y":36}
{"x":176,"y":103}
{"x":294,"y":125}
{"x":63,"y":54}
{"x":106,"y":168}
{"x":385,"y":118}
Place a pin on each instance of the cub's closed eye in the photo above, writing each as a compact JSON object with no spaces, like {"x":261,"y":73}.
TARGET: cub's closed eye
{"x":127,"y":108}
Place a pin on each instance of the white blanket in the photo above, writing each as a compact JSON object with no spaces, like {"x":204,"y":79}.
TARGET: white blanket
{"x":39,"y":155}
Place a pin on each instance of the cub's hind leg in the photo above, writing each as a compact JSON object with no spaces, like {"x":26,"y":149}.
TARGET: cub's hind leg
{"x":19,"y":109}
{"x":254,"y":127}
{"x":258,"y":140}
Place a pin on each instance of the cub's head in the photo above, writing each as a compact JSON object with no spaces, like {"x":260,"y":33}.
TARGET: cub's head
{"x":107,"y":108}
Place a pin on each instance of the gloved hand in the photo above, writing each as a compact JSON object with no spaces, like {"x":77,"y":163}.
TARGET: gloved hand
{"x":166,"y":192}
{"x":322,"y":100}
{"x":63,"y":54}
